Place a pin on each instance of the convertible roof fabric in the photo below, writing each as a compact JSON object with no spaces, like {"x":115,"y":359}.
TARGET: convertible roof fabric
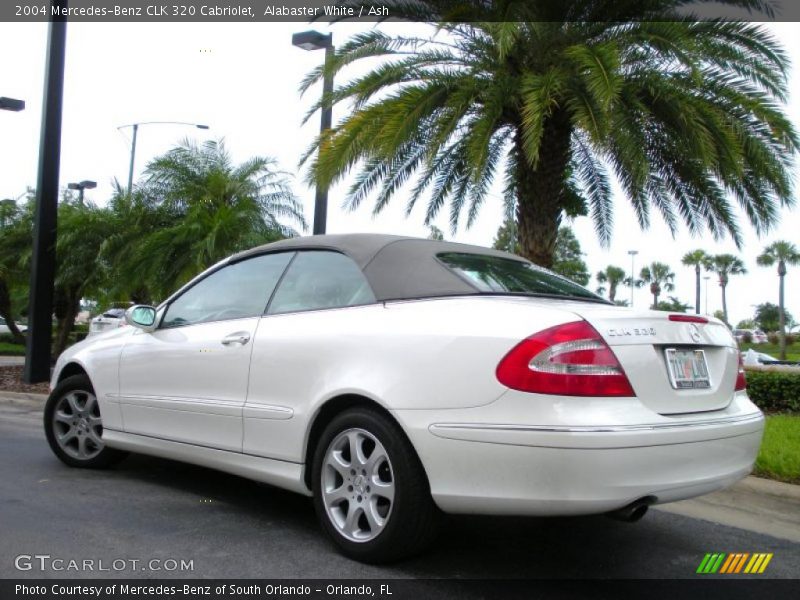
{"x":396,"y":267}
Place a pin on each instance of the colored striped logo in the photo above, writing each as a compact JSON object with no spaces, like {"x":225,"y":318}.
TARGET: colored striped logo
{"x":736,"y":562}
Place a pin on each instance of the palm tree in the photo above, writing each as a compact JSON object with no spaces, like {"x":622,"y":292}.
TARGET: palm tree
{"x":698,"y":259}
{"x":613,"y":276}
{"x":726,"y":265}
{"x":660,"y":277}
{"x":553,"y":99}
{"x":784,"y":253}
{"x":16,"y":226}
{"x":214,"y":208}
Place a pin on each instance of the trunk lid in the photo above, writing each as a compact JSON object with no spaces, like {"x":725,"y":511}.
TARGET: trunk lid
{"x":640,"y":340}
{"x":646,"y":342}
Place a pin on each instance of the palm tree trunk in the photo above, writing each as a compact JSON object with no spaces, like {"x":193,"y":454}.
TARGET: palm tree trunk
{"x":782,"y":318}
{"x":540,"y":190}
{"x":724,"y":305}
{"x":5,"y":312}
{"x":697,"y":289}
{"x":612,"y":291}
{"x":66,"y":314}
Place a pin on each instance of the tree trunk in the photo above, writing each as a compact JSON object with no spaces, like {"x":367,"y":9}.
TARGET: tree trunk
{"x":724,"y":304}
{"x":541,"y":190}
{"x":66,"y":320}
{"x":5,"y":312}
{"x":781,"y":313}
{"x":697,"y":289}
{"x":612,"y":291}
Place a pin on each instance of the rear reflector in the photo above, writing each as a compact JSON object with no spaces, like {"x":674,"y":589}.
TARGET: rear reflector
{"x":741,"y":380}
{"x":566,"y":360}
{"x":688,"y":319}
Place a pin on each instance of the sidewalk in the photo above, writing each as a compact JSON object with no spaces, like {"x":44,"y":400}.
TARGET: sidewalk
{"x":754,"y":504}
{"x":12,"y":361}
{"x":760,"y":505}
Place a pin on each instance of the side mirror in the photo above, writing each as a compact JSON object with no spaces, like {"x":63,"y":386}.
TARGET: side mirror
{"x":141,"y":316}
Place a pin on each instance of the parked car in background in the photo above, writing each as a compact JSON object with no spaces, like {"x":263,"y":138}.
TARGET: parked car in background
{"x":751,"y":358}
{"x":394,"y":378}
{"x":756,"y":335}
{"x":110,"y":319}
{"x":4,"y":328}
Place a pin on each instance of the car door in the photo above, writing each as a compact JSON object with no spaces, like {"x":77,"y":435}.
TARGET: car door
{"x":320,"y":301}
{"x":187,"y":380}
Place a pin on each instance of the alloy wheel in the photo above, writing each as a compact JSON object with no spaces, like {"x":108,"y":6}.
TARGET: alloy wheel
{"x":77,"y":427}
{"x":358,"y":486}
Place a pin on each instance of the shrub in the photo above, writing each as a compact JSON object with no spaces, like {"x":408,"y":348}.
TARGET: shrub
{"x":773,"y":337}
{"x":747,"y":337}
{"x":773,"y":390}
{"x":791,"y":338}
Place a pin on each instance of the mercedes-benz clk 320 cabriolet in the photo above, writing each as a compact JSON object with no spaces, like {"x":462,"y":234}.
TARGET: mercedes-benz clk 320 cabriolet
{"x":395,"y":378}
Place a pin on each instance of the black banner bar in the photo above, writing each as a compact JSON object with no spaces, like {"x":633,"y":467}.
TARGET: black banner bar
{"x":253,"y":11}
{"x":707,"y":588}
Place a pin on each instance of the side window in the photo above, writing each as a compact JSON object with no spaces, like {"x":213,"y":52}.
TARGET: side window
{"x":234,"y":292}
{"x":320,"y":279}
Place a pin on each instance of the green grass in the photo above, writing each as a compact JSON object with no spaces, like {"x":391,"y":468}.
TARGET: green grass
{"x":779,"y":457}
{"x":792,"y":352}
{"x":7,"y":349}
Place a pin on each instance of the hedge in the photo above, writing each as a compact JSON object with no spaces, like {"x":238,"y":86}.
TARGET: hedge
{"x":773,"y":390}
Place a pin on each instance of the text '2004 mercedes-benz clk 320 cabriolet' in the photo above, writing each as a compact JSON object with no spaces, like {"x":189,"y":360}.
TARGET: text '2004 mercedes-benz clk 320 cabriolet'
{"x":395,"y":378}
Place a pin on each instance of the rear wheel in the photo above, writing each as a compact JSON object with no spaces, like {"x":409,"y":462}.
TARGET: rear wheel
{"x":73,"y":425}
{"x":370,"y":490}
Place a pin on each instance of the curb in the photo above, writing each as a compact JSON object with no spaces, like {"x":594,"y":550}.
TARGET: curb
{"x":26,"y":398}
{"x":769,"y":487}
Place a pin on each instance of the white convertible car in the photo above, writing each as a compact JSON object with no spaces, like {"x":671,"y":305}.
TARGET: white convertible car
{"x":394,"y":378}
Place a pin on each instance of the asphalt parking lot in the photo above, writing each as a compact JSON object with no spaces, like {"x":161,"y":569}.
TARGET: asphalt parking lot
{"x":229,"y":527}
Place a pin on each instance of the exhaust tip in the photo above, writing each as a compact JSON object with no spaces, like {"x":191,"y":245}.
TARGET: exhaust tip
{"x":634,"y":511}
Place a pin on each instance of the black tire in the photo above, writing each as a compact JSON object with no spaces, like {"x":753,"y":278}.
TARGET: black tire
{"x":413,"y":521}
{"x":81,"y":385}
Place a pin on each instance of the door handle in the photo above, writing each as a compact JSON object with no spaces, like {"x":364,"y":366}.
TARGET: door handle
{"x":240,"y":337}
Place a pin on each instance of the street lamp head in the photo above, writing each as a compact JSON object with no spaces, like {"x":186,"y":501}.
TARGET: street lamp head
{"x":312,"y":40}
{"x":201,"y":126}
{"x":12,"y":104}
{"x":82,"y":185}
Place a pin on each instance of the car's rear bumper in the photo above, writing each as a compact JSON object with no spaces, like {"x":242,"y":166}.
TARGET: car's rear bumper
{"x":560,"y":468}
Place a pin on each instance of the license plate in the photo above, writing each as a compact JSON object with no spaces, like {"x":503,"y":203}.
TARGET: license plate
{"x":688,"y":369}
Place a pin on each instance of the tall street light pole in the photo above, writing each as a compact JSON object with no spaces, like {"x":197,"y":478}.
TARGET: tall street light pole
{"x":707,"y":277}
{"x":633,"y":254}
{"x":43,"y":259}
{"x":314,"y":40}
{"x":82,"y":185}
{"x":135,"y":133}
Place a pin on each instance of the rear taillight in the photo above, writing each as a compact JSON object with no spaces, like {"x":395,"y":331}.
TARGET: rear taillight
{"x":741,"y":380}
{"x":566,"y":360}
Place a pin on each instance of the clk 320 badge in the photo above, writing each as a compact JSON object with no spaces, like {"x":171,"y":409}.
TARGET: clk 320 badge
{"x":631,"y":331}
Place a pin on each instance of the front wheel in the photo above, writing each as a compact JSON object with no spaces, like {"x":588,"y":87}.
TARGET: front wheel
{"x":370,"y":490}
{"x":74,"y":428}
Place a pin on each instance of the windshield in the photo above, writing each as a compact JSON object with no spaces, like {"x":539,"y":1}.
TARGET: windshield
{"x":497,"y":275}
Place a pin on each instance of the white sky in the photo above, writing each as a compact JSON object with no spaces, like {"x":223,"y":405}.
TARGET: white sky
{"x":242,"y":79}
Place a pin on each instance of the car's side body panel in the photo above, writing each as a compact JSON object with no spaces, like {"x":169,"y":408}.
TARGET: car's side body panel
{"x":408,"y":355}
{"x":185,"y":384}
